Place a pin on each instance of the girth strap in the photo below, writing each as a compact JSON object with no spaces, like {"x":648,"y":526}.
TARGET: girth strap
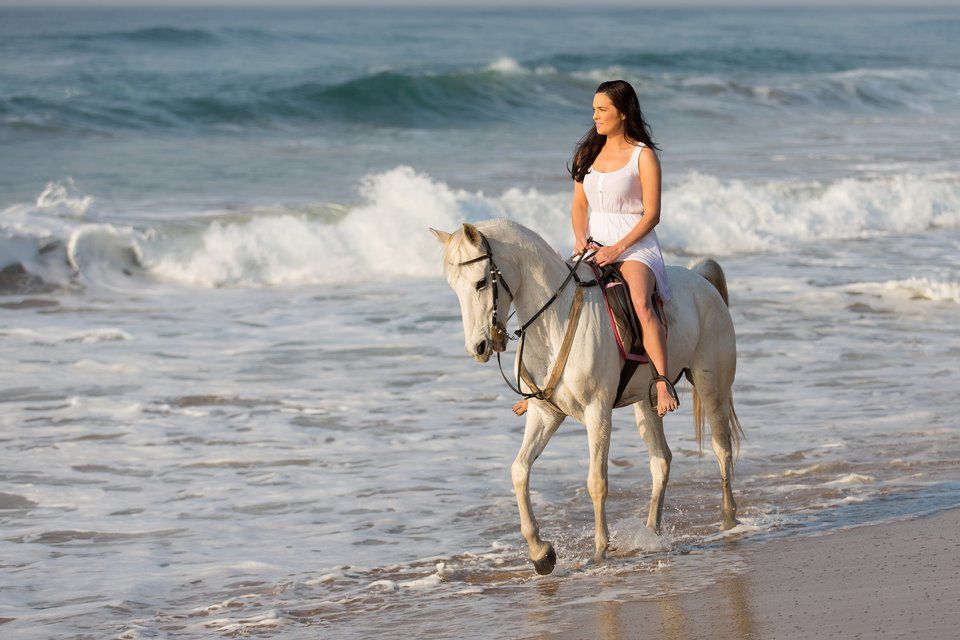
{"x":626,"y":373}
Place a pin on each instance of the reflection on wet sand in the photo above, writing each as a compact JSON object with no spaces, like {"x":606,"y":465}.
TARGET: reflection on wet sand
{"x":859,"y":582}
{"x":720,"y":612}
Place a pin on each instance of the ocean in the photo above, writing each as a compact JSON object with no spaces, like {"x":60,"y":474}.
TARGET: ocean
{"x":235,"y":396}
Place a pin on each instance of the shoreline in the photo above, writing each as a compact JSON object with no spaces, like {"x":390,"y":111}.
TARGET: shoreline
{"x":892,"y":580}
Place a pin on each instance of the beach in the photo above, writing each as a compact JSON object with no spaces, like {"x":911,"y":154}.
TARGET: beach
{"x":893,"y":580}
{"x":235,"y":395}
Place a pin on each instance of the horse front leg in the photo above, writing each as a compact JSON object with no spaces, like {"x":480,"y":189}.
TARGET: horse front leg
{"x":598,"y":436}
{"x":650,"y":425}
{"x":540,"y":427}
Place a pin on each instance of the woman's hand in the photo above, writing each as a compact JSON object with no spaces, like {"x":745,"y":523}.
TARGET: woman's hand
{"x":608,"y":255}
{"x":579,"y":246}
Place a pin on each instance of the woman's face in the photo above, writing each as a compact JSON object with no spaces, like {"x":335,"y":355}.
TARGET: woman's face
{"x":605,"y":116}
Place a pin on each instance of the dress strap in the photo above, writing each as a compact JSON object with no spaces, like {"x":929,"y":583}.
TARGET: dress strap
{"x":635,"y":156}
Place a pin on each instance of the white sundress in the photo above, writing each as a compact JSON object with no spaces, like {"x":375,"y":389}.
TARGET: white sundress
{"x":616,"y":206}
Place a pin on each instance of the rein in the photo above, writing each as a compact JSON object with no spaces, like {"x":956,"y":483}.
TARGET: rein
{"x":498,"y":330}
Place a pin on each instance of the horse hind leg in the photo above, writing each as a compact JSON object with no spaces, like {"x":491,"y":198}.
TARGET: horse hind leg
{"x":721,"y":441}
{"x":651,"y":430}
{"x":724,"y":429}
{"x":540,"y":426}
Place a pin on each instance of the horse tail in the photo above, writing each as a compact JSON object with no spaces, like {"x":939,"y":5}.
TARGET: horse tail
{"x":733,"y":424}
{"x":736,"y":433}
{"x":713,"y":273}
{"x":699,"y":418}
{"x":711,"y":270}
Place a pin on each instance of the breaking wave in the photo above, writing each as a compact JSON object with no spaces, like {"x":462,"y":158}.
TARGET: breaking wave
{"x":61,"y":239}
{"x":503,"y":89}
{"x":928,"y":289}
{"x":935,"y":289}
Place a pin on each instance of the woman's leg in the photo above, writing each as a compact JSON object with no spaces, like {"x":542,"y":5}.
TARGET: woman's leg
{"x":641,"y":281}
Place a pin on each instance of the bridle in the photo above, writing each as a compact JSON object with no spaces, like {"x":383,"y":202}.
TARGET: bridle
{"x":498,"y":329}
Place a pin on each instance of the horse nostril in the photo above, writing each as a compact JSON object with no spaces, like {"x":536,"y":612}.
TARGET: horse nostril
{"x":481,"y":347}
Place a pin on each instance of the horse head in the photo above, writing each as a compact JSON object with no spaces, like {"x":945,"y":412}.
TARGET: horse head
{"x":480,"y":281}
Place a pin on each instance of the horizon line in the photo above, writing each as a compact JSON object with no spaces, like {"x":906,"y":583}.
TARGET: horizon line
{"x":478,"y":4}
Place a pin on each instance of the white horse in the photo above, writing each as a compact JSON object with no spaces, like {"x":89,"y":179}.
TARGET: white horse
{"x":701,"y":340}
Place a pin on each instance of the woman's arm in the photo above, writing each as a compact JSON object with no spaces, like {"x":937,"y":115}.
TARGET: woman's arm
{"x":578,"y":215}
{"x":649,"y":166}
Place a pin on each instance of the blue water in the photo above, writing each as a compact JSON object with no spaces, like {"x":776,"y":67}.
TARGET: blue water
{"x":298,"y":104}
{"x":235,"y":399}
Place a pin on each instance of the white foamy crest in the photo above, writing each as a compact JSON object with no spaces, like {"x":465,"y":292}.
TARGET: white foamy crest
{"x":506,"y":64}
{"x":33,"y":234}
{"x":850,"y":479}
{"x":937,"y":289}
{"x":103,"y":251}
{"x":64,"y":198}
{"x":245,"y":626}
{"x":703,"y":214}
{"x":927,"y":289}
{"x":50,"y":337}
{"x":386,"y":237}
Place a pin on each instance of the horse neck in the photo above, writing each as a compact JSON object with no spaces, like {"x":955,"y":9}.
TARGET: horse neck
{"x":541,"y":271}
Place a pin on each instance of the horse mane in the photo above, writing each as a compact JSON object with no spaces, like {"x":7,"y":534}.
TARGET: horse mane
{"x":510,"y":241}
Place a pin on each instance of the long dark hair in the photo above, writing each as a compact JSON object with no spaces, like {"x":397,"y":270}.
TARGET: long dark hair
{"x":636,"y":129}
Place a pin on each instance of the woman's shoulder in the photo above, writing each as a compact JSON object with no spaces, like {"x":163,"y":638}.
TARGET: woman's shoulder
{"x":647,"y":159}
{"x":638,"y":148}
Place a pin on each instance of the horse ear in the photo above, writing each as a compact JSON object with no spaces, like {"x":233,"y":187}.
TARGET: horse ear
{"x":471,"y":233}
{"x":442,"y":236}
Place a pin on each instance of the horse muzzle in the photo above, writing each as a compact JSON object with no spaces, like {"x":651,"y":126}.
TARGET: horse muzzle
{"x":496,"y":343}
{"x":481,"y":351}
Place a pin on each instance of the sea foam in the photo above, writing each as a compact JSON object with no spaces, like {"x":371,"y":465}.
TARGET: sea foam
{"x":927,"y":288}
{"x":386,"y":236}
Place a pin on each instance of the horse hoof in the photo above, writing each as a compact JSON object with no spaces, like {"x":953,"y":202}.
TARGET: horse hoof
{"x":729,"y":523}
{"x":544,"y":566}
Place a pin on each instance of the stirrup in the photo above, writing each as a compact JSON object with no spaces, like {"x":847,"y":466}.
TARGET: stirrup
{"x":651,"y":391}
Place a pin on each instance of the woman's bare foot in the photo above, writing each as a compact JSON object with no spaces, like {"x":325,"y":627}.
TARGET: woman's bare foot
{"x":521,"y":407}
{"x":665,"y":401}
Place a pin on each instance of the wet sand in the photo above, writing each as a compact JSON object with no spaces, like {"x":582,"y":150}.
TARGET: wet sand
{"x":895,"y":580}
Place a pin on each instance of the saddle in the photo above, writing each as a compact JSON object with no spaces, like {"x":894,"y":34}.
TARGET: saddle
{"x":625,"y":324}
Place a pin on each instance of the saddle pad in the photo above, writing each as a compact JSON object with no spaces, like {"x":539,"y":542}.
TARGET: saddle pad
{"x":623,"y":316}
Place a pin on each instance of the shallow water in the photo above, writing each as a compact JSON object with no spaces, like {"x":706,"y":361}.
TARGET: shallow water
{"x":212,"y":426}
{"x":301,"y":457}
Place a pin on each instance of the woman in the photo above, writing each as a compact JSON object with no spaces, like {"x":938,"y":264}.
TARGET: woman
{"x":616,"y":201}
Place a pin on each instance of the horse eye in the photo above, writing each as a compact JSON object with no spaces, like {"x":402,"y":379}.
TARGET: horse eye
{"x":481,"y":283}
